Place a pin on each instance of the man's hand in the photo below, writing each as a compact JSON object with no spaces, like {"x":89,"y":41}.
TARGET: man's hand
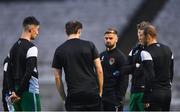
{"x":14,"y":98}
{"x":146,"y":105}
{"x":100,"y":94}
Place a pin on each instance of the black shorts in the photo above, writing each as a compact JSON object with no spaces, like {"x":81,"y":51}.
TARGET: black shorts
{"x":82,"y":102}
{"x":160,"y":100}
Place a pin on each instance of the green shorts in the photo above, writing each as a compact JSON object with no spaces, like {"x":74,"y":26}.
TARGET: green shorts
{"x":28,"y":102}
{"x":136,"y":102}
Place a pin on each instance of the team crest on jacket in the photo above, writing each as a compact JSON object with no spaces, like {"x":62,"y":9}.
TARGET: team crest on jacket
{"x":111,"y":61}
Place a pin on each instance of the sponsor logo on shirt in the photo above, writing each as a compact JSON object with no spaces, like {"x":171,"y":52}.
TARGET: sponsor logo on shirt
{"x":116,"y":73}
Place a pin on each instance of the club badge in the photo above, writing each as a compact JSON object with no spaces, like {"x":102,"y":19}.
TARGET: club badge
{"x":111,"y":61}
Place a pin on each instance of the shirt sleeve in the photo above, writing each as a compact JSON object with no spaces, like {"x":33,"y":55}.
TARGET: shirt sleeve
{"x":129,"y":60}
{"x":5,"y":76}
{"x":95,"y":53}
{"x":8,"y":75}
{"x":148,"y":69}
{"x":57,"y":61}
{"x":31,"y":69}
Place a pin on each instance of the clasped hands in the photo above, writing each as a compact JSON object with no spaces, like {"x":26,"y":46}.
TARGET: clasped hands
{"x":13,"y":97}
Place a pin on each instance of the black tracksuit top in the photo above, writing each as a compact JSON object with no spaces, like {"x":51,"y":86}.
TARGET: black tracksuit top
{"x":115,"y":83}
{"x":138,"y":76}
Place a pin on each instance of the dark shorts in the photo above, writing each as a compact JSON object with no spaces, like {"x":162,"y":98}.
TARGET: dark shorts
{"x":112,"y":103}
{"x":82,"y":102}
{"x":160,"y":100}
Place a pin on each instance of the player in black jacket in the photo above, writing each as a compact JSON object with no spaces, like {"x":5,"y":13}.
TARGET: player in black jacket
{"x":115,"y":81}
{"x":138,"y":76}
{"x":23,"y":82}
{"x":159,"y":75}
{"x":137,"y":81}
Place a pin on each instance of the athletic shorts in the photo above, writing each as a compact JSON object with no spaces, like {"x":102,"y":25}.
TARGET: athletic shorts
{"x":28,"y":102}
{"x":136,"y":102}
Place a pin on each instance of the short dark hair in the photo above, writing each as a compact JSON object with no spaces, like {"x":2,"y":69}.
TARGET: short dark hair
{"x":110,"y":31}
{"x":142,"y":25}
{"x":30,"y":20}
{"x":72,"y":27}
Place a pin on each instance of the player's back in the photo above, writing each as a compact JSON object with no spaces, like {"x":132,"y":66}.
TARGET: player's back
{"x":162,"y":60}
{"x":18,"y":56}
{"x":77,"y":58}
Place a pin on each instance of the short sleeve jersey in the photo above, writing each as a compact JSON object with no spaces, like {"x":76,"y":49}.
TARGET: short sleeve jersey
{"x":77,"y":57}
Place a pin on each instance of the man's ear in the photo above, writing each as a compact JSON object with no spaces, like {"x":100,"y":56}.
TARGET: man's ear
{"x":79,"y":31}
{"x":117,"y":39}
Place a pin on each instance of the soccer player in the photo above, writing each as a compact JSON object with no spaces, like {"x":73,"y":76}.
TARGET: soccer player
{"x":23,"y":81}
{"x":115,"y":82}
{"x":157,"y":96}
{"x":138,"y":76}
{"x":83,"y":72}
